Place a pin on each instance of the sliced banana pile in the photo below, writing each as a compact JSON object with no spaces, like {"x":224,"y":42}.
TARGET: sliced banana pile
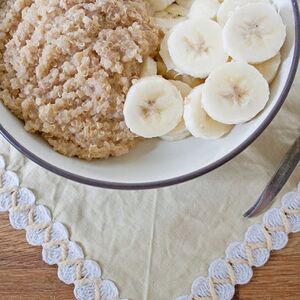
{"x":213,"y":69}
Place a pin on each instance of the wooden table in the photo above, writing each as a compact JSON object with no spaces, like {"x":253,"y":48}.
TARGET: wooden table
{"x":23,"y":274}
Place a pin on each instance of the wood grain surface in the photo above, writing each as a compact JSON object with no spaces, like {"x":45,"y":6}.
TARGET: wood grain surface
{"x":23,"y":275}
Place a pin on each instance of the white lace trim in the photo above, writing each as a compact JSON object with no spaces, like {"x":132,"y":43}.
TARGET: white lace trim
{"x":41,"y":230}
{"x":254,"y":251}
{"x":85,"y":274}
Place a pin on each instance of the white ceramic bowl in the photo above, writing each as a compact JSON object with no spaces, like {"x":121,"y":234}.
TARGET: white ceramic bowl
{"x":156,"y":163}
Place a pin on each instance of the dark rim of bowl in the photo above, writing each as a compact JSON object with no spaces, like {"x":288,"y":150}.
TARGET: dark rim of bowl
{"x":183,"y":178}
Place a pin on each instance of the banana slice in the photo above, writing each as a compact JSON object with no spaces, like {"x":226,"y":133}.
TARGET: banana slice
{"x":254,"y":33}
{"x":153,"y":107}
{"x":158,"y":5}
{"x":185,"y":3}
{"x":198,"y":121}
{"x":183,"y":88}
{"x":173,"y":75}
{"x":177,"y":10}
{"x":235,"y":93}
{"x":269,"y":68}
{"x":204,"y":8}
{"x":169,"y":17}
{"x":166,"y":23}
{"x":179,"y":132}
{"x":149,"y":67}
{"x":173,"y":11}
{"x":228,"y":7}
{"x":195,"y":47}
{"x":165,"y":55}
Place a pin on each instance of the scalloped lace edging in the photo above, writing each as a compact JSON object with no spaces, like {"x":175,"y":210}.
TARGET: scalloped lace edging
{"x":42,"y":230}
{"x":85,"y":274}
{"x":254,"y":251}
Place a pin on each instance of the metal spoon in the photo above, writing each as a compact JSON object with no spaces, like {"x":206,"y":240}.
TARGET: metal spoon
{"x":286,"y":168}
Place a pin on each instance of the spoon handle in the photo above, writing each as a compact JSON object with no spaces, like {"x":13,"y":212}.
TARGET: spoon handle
{"x":287,"y":166}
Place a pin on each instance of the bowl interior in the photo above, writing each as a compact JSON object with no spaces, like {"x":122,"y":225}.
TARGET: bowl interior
{"x":155,"y":162}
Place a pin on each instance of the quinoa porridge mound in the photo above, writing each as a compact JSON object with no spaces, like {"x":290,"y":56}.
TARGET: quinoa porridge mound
{"x":66,"y":66}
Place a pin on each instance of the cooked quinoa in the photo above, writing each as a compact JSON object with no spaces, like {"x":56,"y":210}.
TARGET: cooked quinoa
{"x":66,"y":66}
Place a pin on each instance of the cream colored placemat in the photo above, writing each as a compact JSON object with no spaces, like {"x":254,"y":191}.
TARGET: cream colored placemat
{"x":153,"y":244}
